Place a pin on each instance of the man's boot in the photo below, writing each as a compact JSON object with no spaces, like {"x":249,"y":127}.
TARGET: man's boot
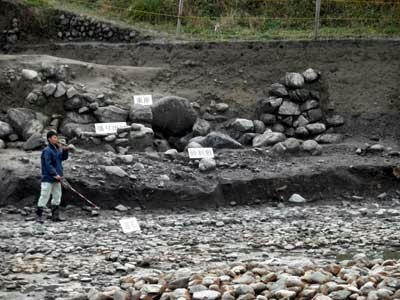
{"x":55,"y":214}
{"x":39,"y":214}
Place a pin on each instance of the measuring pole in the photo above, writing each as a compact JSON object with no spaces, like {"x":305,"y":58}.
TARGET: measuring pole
{"x":180,"y":12}
{"x":317,"y":14}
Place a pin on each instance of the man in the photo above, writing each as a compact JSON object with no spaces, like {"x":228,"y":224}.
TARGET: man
{"x":52,"y":173}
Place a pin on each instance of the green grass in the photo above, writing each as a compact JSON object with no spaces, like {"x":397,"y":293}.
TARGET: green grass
{"x":243,"y":19}
{"x":37,"y":3}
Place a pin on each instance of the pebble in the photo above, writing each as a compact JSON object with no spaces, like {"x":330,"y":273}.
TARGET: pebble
{"x":115,"y":170}
{"x":296,"y":198}
{"x":206,"y":295}
{"x":207,"y":164}
{"x":29,"y":74}
{"x":121,"y":208}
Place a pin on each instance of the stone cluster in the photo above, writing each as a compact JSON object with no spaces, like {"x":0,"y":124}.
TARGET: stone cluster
{"x":294,"y":107}
{"x":359,"y":279}
{"x":67,"y":26}
{"x":290,"y":120}
{"x":73,"y":27}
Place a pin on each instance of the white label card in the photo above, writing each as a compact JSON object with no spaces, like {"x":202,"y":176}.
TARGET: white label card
{"x":143,"y":99}
{"x":130,"y":225}
{"x":109,"y":127}
{"x":196,"y":153}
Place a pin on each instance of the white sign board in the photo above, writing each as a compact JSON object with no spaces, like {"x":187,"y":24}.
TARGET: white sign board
{"x":130,"y":225}
{"x":109,"y":127}
{"x":143,"y":99}
{"x":196,"y":153}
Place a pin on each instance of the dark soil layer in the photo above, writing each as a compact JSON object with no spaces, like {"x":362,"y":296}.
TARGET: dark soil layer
{"x":244,"y":177}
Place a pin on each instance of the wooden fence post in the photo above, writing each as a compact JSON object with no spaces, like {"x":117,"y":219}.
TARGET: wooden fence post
{"x":180,"y":12}
{"x":317,"y":21}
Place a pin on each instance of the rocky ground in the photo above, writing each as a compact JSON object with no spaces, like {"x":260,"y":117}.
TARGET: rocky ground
{"x":271,"y":248}
{"x":213,"y":247}
{"x":155,"y":180}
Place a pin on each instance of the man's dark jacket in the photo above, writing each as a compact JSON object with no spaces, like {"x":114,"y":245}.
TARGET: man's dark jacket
{"x":51,"y":162}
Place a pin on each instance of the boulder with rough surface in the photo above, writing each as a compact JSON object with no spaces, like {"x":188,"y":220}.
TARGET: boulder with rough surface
{"x":32,"y":127}
{"x":294,"y":80}
{"x":300,"y":95}
{"x":237,"y":127}
{"x":49,"y":89}
{"x":312,"y":147}
{"x":72,"y":92}
{"x":74,"y":117}
{"x":173,"y":115}
{"x":35,"y":141}
{"x":310,"y":75}
{"x":70,"y":129}
{"x":218,"y":140}
{"x":19,"y":117}
{"x":61,"y":89}
{"x":292,"y":144}
{"x":315,"y":115}
{"x":268,"y":139}
{"x":201,"y":127}
{"x":111,"y":113}
{"x":29,"y":74}
{"x":301,"y":132}
{"x":259,"y":126}
{"x":268,"y":105}
{"x":310,"y":104}
{"x":289,"y":108}
{"x":300,"y":121}
{"x":316,"y":128}
{"x":278,"y":90}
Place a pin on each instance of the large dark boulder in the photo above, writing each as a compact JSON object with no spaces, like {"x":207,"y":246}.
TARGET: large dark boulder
{"x":26,"y":122}
{"x":173,"y":116}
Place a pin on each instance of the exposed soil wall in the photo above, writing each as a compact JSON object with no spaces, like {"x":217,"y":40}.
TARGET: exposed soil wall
{"x":361,"y":76}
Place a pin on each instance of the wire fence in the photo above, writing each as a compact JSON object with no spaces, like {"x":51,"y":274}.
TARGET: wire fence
{"x":248,"y":19}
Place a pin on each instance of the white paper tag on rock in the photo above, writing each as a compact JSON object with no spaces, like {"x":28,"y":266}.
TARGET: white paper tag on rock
{"x":196,"y":153}
{"x":130,"y":225}
{"x":109,"y":127}
{"x":143,"y":99}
